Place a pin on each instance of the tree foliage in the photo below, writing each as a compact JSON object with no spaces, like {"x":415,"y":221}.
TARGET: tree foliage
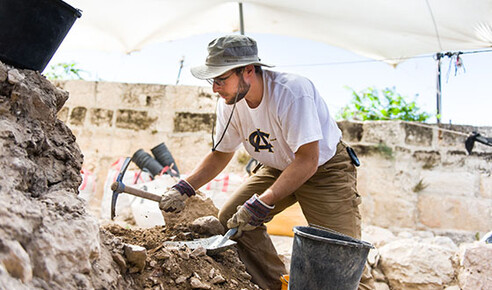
{"x":386,"y":104}
{"x":64,"y":71}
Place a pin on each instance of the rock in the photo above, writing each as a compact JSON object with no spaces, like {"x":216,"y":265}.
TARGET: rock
{"x":377,"y":236}
{"x":118,"y":258}
{"x":234,"y":282}
{"x":410,"y":264}
{"x":218,"y":279}
{"x":14,"y":76}
{"x":3,"y":72}
{"x":16,"y":260}
{"x":135,"y":255}
{"x":246,"y":275}
{"x":453,"y":287}
{"x":208,"y":225}
{"x":378,"y":275}
{"x":373,"y":257}
{"x":197,"y":284}
{"x":184,"y":255}
{"x":198,"y":252}
{"x":475,"y":270}
{"x":181,"y":279}
{"x":381,"y":286}
{"x":163,"y":254}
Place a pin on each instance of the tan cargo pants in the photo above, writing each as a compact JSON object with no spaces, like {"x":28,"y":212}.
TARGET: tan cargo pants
{"x":329,"y":199}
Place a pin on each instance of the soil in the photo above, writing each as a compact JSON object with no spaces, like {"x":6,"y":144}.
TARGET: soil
{"x":48,"y":240}
{"x":170,"y":267}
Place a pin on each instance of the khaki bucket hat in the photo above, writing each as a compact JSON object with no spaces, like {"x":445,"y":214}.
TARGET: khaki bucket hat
{"x":226,"y":53}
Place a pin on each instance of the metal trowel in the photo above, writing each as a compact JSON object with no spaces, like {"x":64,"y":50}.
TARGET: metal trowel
{"x":214,"y":244}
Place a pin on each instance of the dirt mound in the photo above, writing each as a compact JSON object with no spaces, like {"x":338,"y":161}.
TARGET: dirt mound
{"x":47,"y":238}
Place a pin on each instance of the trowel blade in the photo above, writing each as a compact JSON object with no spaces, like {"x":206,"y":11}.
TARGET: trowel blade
{"x":213,"y":245}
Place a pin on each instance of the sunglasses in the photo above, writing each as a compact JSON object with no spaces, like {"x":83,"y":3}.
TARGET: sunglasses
{"x":220,"y":81}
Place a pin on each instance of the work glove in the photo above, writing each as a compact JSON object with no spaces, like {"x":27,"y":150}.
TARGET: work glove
{"x":174,"y":199}
{"x":250,"y":215}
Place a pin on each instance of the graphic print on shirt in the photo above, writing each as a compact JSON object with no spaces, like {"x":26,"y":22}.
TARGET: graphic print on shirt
{"x":260,"y":141}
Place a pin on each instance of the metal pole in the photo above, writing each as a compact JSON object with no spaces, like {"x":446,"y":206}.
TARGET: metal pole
{"x":438,"y":89}
{"x":241,"y":21}
{"x":181,"y":62}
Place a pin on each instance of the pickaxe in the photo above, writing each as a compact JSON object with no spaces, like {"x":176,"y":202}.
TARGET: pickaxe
{"x":118,"y":187}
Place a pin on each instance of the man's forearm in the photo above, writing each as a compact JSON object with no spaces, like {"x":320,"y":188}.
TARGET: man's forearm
{"x":209,"y":168}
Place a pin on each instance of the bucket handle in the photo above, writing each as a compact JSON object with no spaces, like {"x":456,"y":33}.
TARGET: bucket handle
{"x":338,"y":233}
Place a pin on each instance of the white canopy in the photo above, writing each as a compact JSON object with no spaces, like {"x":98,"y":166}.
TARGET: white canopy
{"x":389,"y":30}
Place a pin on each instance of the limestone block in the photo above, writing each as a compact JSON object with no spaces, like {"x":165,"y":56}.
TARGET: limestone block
{"x":134,"y":119}
{"x":81,"y":93}
{"x":392,"y":210}
{"x":486,"y":186}
{"x":475,"y":270}
{"x":190,"y":99}
{"x":416,"y":135}
{"x":389,"y":133}
{"x":109,"y":95}
{"x":377,"y":236}
{"x":77,"y":116}
{"x":101,"y":117}
{"x":351,"y":131}
{"x":447,"y":183}
{"x":428,"y":158}
{"x":451,"y":140}
{"x":16,"y":260}
{"x":461,"y":213}
{"x":193,"y":122}
{"x":145,"y":96}
{"x":413,"y":264}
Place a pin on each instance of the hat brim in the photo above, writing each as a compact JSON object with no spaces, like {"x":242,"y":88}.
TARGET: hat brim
{"x":206,"y":72}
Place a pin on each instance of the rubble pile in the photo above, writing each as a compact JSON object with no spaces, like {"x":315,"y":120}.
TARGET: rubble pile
{"x":47,"y":238}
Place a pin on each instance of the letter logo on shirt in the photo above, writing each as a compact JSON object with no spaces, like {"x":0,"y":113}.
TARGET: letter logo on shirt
{"x":259,"y":140}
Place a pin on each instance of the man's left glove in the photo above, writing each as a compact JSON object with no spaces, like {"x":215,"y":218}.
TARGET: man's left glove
{"x":251,"y":214}
{"x":174,"y":199}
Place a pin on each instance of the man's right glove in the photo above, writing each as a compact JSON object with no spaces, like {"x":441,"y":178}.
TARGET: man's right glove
{"x":250,"y":215}
{"x":174,"y":199}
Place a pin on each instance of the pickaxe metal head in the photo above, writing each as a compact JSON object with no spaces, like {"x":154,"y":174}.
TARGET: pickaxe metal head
{"x":121,"y":186}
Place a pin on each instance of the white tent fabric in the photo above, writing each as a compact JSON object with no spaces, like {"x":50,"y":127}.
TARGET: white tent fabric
{"x":389,"y":30}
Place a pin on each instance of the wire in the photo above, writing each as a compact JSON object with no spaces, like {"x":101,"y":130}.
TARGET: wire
{"x":435,"y":24}
{"x":214,"y":146}
{"x":380,"y":60}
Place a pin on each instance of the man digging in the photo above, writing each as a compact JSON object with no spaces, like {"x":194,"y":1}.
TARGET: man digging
{"x":283,"y":122}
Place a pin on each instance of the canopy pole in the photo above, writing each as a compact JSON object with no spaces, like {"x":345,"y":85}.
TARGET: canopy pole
{"x":438,"y":89}
{"x":241,"y":21}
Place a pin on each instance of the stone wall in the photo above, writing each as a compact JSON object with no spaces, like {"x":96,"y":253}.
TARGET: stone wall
{"x":412,"y":176}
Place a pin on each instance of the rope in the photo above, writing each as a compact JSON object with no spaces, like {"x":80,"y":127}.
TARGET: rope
{"x":439,"y":128}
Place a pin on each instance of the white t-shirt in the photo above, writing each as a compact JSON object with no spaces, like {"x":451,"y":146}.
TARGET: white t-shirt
{"x":291,"y":114}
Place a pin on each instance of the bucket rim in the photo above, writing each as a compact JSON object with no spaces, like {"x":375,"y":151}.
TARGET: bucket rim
{"x":352,"y":242}
{"x":77,"y":12}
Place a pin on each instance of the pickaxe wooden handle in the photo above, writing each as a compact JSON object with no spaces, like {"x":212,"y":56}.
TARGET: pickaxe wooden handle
{"x":119,"y":187}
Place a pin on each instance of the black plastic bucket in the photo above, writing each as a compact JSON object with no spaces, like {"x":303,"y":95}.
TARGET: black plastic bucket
{"x":146,"y":162}
{"x":324,"y":259}
{"x":32,"y":30}
{"x":163,"y":155}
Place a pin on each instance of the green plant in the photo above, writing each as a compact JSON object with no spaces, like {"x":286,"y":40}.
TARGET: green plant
{"x":64,"y":71}
{"x":420,"y":186}
{"x":385,"y":150}
{"x":387,"y":104}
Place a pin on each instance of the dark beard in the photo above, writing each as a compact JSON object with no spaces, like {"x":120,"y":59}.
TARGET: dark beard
{"x":242,"y":91}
